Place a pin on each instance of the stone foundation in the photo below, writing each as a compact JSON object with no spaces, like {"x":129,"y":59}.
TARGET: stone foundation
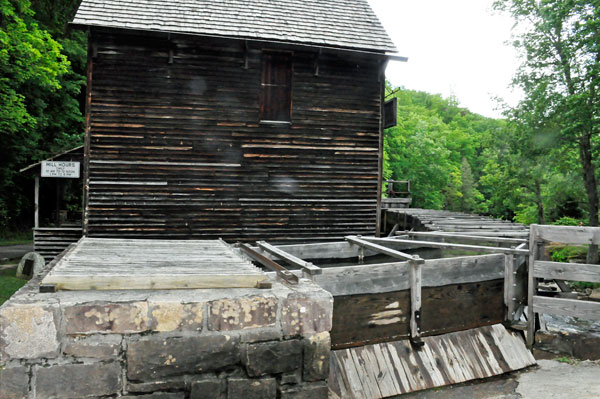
{"x":217,"y":344}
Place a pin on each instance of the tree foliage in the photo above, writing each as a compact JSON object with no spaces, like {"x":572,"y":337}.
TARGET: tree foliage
{"x":39,"y":91}
{"x":462,"y":161}
{"x":560,"y":74}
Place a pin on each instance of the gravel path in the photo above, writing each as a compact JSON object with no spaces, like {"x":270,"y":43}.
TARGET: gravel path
{"x":14,"y":251}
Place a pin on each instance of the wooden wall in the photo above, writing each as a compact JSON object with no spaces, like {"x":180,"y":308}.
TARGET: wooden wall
{"x":176,"y":150}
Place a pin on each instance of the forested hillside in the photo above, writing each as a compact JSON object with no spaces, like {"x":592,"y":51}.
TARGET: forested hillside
{"x":462,"y":161}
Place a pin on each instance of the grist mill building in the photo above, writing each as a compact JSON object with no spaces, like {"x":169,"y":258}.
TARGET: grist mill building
{"x":235,"y":119}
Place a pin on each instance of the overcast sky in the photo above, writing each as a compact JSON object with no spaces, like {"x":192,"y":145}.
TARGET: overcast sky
{"x":455,"y":47}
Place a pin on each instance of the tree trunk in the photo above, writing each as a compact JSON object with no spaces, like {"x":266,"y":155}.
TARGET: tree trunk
{"x":540,"y":204}
{"x":591,"y":188}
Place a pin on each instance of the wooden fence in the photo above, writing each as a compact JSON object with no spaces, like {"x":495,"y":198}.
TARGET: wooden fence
{"x":559,"y":271}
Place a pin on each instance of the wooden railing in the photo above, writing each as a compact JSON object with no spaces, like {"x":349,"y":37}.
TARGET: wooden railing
{"x":539,"y":268}
{"x":397,"y":198}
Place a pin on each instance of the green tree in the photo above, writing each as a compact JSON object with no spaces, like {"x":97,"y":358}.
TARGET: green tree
{"x":31,"y":67}
{"x":560,"y":43}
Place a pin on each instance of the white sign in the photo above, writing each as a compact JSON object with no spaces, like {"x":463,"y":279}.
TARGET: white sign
{"x":68,"y":170}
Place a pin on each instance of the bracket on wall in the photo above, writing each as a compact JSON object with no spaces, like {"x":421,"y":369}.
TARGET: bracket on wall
{"x":316,"y":65}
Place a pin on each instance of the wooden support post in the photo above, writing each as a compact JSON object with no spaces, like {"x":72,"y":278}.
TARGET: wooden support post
{"x":509,"y":266}
{"x":36,"y":201}
{"x":58,"y":202}
{"x":415,"y":303}
{"x":531,"y":285}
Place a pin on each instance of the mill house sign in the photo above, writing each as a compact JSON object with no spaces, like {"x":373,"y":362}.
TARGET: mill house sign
{"x":68,"y":170}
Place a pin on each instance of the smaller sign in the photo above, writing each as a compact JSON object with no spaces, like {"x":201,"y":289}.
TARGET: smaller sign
{"x":390,"y":113}
{"x":65,"y":170}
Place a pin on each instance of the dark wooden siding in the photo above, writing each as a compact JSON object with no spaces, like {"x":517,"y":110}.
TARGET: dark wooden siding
{"x":371,"y":318}
{"x":176,"y":149}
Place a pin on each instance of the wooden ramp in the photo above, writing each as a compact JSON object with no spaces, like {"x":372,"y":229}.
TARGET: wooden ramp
{"x":394,"y":368}
{"x":126,"y":264}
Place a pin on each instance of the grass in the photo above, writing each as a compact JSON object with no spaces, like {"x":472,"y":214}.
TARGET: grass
{"x":15,"y":238}
{"x":9,"y":284}
{"x":567,"y":359}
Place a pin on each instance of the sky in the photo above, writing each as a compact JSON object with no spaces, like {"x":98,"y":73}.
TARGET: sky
{"x":454,"y":47}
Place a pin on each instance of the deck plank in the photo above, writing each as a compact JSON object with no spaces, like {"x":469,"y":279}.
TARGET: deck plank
{"x":111,"y":264}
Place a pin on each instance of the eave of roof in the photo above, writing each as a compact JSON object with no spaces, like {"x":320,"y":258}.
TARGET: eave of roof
{"x":349,"y":24}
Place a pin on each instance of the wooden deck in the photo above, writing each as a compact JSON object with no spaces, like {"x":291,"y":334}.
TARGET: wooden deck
{"x":394,"y":368}
{"x":109,"y":264}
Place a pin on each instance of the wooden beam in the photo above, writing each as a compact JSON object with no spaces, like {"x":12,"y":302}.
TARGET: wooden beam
{"x":431,"y":244}
{"x":567,"y":307}
{"x":567,"y":234}
{"x":281,"y":271}
{"x":567,"y":271}
{"x":535,"y":249}
{"x":291,"y":259}
{"x":384,"y":250}
{"x":464,"y":237}
{"x":394,"y":276}
{"x":153,"y":282}
{"x":393,"y":231}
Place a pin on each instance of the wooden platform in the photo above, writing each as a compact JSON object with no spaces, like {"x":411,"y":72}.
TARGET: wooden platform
{"x":394,"y":368}
{"x":127,"y":264}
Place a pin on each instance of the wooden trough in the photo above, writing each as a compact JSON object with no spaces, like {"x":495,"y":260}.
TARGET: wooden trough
{"x":410,"y":324}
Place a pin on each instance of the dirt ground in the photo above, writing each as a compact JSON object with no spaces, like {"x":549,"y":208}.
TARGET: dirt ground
{"x":550,"y":379}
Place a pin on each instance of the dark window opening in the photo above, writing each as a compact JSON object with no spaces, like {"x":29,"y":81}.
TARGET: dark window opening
{"x":276,"y":88}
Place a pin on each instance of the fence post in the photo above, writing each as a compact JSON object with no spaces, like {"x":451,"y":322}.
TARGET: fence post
{"x":415,"y":302}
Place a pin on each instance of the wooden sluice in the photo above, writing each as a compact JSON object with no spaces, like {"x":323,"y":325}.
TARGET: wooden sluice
{"x":397,"y":331}
{"x":447,"y":222}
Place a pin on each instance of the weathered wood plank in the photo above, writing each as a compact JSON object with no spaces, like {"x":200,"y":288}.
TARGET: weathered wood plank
{"x":387,"y":277}
{"x":433,"y":244}
{"x":383,"y":317}
{"x":567,"y":234}
{"x":293,"y":260}
{"x":382,"y":249}
{"x":445,"y":359}
{"x":567,"y":307}
{"x":567,"y":271}
{"x":153,"y":282}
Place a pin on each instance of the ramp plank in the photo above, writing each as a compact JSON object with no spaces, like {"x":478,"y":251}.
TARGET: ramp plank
{"x":393,"y":368}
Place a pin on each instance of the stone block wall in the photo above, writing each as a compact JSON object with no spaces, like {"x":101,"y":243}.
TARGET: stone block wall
{"x":180,"y":344}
